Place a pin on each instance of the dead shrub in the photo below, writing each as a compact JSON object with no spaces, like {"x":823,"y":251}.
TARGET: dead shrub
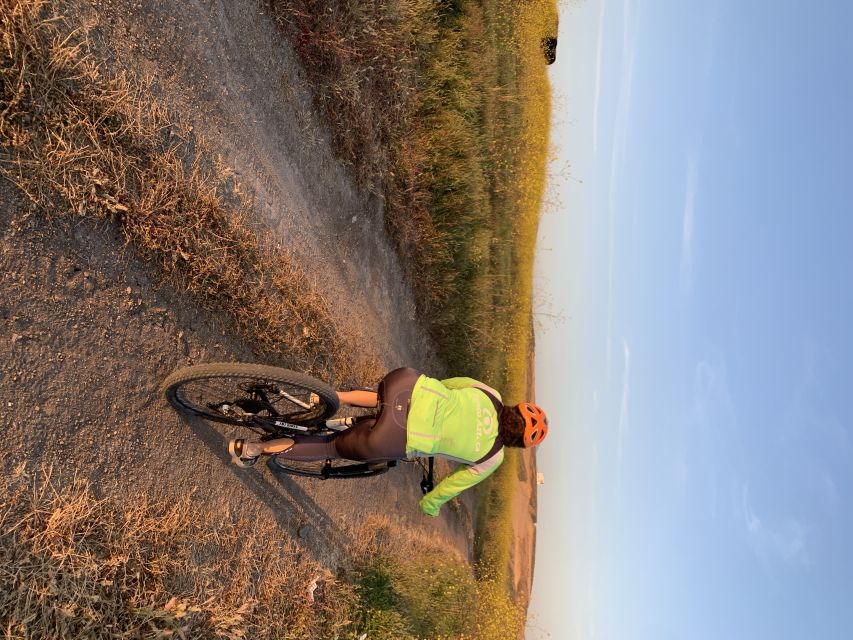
{"x":76,"y":566}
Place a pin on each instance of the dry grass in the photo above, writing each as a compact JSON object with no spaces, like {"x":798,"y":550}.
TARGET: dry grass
{"x":377,"y":71}
{"x":80,"y":142}
{"x":521,"y":203}
{"x":365,"y":63}
{"x":73,"y":565}
{"x":358,"y":59}
{"x":493,"y":545}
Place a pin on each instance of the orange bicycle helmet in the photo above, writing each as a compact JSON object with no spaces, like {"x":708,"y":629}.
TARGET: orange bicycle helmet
{"x":535,"y":423}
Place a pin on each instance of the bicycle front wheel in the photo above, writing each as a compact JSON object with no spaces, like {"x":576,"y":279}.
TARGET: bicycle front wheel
{"x":238,"y":393}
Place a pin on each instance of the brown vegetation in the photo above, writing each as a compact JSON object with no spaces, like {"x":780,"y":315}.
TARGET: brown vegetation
{"x":75,"y":565}
{"x":80,"y":142}
{"x":365,"y":62}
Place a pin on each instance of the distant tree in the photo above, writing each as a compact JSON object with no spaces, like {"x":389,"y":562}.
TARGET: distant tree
{"x":549,"y":49}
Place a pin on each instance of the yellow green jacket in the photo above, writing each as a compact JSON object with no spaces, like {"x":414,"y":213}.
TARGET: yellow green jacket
{"x":454,"y":419}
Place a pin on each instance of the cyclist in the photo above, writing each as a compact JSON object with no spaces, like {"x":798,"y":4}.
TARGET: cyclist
{"x":457,"y":418}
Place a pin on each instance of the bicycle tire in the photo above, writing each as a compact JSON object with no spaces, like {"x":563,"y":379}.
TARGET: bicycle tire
{"x":177,"y":386}
{"x":341,"y":469}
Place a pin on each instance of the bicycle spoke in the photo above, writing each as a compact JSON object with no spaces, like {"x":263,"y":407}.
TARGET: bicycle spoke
{"x":216,"y":393}
{"x":238,"y":392}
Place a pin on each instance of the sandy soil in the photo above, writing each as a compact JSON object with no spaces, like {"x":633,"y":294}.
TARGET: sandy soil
{"x":87,"y":334}
{"x":524,"y":528}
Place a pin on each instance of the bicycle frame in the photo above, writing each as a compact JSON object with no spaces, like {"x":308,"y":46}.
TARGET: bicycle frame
{"x":276,"y":427}
{"x":279,"y":428}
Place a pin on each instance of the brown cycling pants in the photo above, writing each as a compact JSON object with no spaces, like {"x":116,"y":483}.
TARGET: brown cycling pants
{"x":370,"y":439}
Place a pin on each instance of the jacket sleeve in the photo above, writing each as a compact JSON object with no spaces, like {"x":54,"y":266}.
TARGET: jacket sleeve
{"x":459,"y":383}
{"x":464,"y":477}
{"x":462,"y":383}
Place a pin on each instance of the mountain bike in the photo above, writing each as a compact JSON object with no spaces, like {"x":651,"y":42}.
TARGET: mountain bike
{"x":274,"y":403}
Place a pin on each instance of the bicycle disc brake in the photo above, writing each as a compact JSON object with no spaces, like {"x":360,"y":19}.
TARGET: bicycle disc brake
{"x":254,"y":404}
{"x":257,"y":401}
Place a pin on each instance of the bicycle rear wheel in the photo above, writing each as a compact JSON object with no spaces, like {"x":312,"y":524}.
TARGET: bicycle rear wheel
{"x":330,"y":468}
{"x":240,"y":393}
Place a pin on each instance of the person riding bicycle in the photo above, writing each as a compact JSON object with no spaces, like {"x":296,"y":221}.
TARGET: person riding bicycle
{"x":457,"y":418}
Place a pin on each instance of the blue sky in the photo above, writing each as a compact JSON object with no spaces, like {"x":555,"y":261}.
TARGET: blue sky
{"x":700,"y":246}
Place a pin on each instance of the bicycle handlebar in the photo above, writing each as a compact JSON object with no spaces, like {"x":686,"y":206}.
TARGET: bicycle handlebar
{"x":428,"y":481}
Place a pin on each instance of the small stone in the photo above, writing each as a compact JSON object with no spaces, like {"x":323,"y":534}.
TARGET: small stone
{"x":354,"y":218}
{"x":16,"y":337}
{"x":304,"y":531}
{"x":128,"y":291}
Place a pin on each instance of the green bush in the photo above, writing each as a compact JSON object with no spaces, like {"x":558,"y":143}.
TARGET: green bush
{"x":431,"y":595}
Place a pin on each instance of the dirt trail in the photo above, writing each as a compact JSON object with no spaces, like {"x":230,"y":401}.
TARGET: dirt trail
{"x":86,"y":335}
{"x":524,"y":528}
{"x":227,"y":68}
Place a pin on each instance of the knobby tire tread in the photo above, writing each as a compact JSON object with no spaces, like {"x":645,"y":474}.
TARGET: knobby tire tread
{"x":249,"y":370}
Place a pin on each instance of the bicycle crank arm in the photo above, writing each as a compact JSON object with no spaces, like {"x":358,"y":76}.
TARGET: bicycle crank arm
{"x":356,"y":470}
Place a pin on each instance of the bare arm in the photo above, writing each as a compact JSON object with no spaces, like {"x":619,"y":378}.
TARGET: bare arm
{"x":359,"y":398}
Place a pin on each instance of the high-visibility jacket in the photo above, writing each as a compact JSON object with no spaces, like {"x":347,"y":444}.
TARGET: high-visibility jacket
{"x":453,"y":418}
